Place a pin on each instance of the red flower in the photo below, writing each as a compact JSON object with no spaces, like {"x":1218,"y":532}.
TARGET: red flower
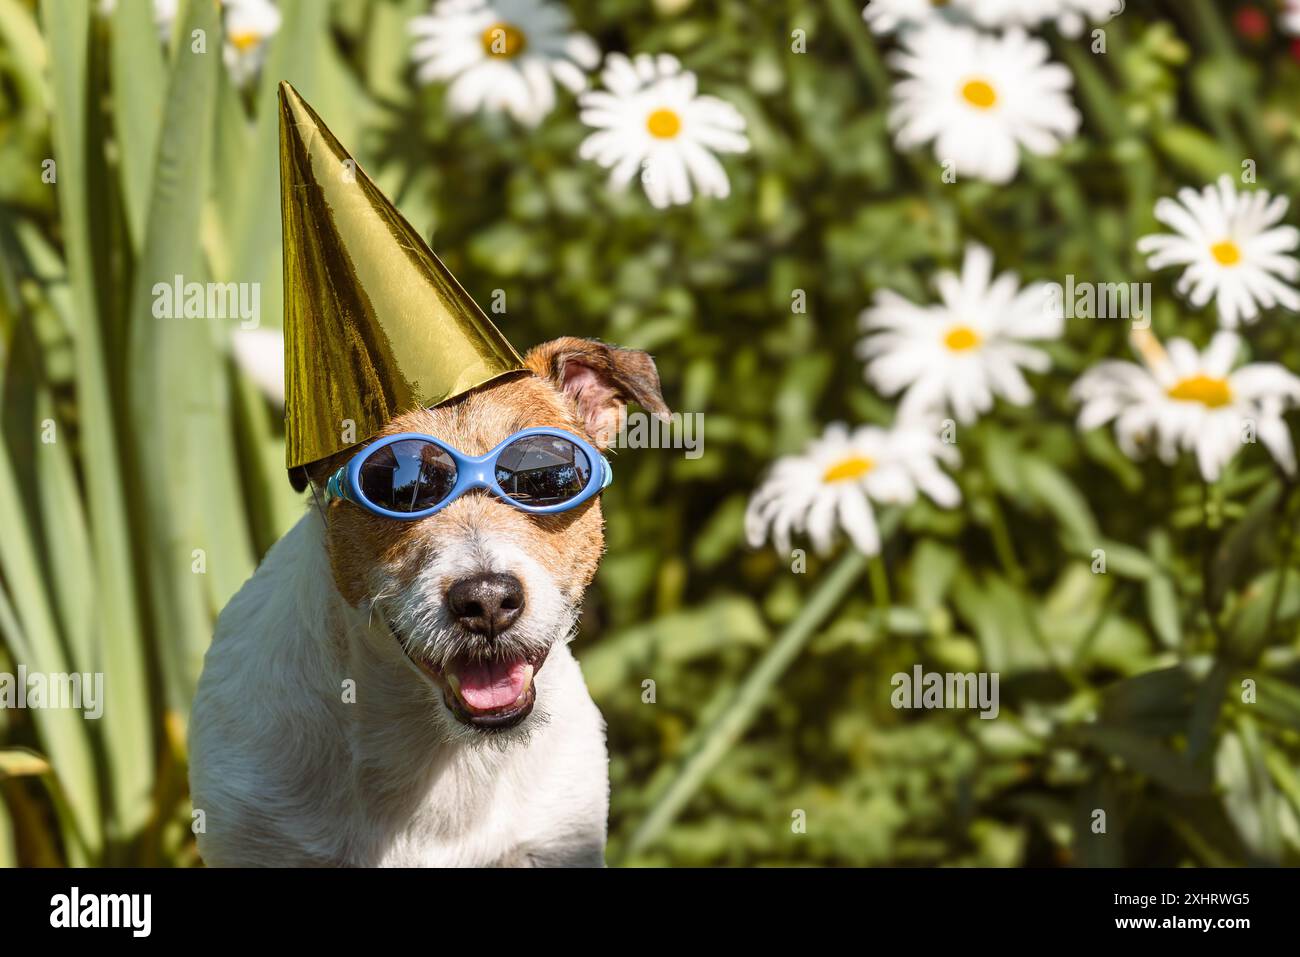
{"x":1252,"y":23}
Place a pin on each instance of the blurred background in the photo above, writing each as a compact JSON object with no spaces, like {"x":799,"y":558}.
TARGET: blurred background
{"x":141,"y":461}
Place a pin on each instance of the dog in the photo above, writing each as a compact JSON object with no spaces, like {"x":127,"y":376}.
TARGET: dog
{"x":327,"y":731}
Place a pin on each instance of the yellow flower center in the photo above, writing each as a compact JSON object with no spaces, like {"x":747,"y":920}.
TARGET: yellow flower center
{"x":664,"y":123}
{"x":851,"y":468}
{"x":961,"y":338}
{"x":503,"y":41}
{"x":243,"y":42}
{"x":1227,"y":253}
{"x":1201,"y":388}
{"x":980,"y":94}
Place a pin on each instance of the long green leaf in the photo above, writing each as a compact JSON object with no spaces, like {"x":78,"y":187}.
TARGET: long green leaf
{"x":31,"y":634}
{"x":139,"y":82}
{"x":175,"y":368}
{"x":127,"y":736}
{"x":25,"y":50}
{"x":8,"y":850}
{"x":67,"y":536}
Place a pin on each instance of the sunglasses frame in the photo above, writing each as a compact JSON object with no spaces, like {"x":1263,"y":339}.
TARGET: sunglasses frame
{"x":472,"y":472}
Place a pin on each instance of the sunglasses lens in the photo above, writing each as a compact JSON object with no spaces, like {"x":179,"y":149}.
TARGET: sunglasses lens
{"x":542,"y":470}
{"x":407,"y":476}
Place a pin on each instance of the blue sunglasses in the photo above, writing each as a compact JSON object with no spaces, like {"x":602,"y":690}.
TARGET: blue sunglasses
{"x":411,"y":475}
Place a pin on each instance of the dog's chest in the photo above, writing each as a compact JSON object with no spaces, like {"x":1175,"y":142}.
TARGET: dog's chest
{"x":481,"y":813}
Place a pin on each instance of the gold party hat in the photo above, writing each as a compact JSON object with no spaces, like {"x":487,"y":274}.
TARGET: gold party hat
{"x":374,"y":324}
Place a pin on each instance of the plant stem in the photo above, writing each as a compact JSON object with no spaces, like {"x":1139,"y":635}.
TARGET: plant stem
{"x":879,"y":577}
{"x":863,"y":45}
{"x":1103,"y":106}
{"x":1207,"y":560}
{"x":744,"y":705}
{"x":1002,"y":544}
{"x":1286,"y":554}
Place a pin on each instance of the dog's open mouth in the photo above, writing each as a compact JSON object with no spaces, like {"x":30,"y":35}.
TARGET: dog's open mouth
{"x":493,"y":693}
{"x":488,"y":693}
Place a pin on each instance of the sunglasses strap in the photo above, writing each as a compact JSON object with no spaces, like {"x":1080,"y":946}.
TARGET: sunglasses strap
{"x":316,"y":498}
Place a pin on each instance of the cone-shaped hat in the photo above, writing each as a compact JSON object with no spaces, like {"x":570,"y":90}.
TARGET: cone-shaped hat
{"x":374,"y":324}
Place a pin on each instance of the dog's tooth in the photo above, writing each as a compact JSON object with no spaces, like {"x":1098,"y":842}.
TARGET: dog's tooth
{"x":528,"y":683}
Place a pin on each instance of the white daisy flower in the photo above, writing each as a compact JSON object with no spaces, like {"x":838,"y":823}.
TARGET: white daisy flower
{"x":260,"y":353}
{"x":835,"y":481}
{"x":1233,"y":248}
{"x":886,"y":16}
{"x":502,"y":55}
{"x":960,"y":353}
{"x":980,"y":98}
{"x":649,"y":119}
{"x":1070,"y":16}
{"x":1079,"y":13}
{"x":249,"y":25}
{"x":1184,"y":401}
{"x":1291,"y":16}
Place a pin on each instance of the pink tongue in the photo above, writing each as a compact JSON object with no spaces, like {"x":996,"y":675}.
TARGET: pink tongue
{"x":488,"y":685}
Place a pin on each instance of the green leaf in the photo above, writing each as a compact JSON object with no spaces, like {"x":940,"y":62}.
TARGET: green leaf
{"x":1249,"y":797}
{"x":670,"y":641}
{"x":1051,"y":489}
{"x":1197,"y":154}
{"x":1272,"y":599}
{"x":1162,"y":597}
{"x":1148,"y":755}
{"x":8,"y":848}
{"x":1127,"y":561}
{"x":1000,"y":617}
{"x":25,"y":53}
{"x":176,"y":374}
{"x":1241,"y":539}
{"x":1206,"y":708}
{"x":68,"y":537}
{"x":20,"y":763}
{"x":125,"y":730}
{"x":1154,"y":702}
{"x":34,"y":643}
{"x":1277,"y":701}
{"x":139,"y":82}
{"x":934,"y":567}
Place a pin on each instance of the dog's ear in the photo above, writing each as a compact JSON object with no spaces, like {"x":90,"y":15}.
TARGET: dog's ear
{"x":299,"y":477}
{"x":599,"y":380}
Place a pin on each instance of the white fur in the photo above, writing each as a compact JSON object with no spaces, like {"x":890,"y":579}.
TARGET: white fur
{"x":287,"y":773}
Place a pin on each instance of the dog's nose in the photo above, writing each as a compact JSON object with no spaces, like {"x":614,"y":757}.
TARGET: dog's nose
{"x":486,"y":604}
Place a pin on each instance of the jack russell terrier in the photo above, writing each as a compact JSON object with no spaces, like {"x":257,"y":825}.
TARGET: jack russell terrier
{"x":388,"y":691}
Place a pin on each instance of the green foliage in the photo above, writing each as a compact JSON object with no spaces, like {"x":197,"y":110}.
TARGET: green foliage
{"x":1120,"y":691}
